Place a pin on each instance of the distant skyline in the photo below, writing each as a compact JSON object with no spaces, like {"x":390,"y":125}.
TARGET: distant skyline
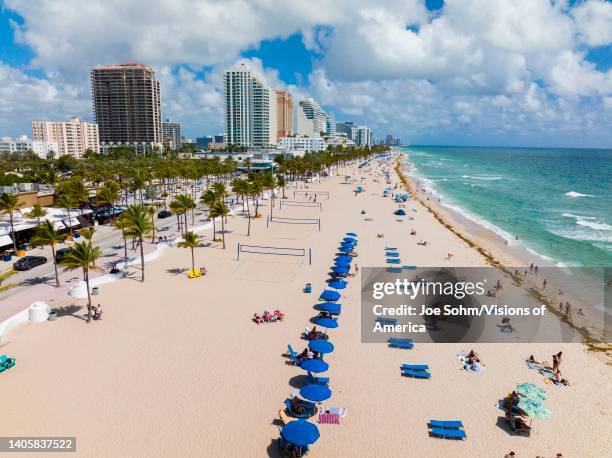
{"x":456,"y":72}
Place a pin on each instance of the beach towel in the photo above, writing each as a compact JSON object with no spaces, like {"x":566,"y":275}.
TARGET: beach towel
{"x":329,"y":418}
{"x":476,"y":367}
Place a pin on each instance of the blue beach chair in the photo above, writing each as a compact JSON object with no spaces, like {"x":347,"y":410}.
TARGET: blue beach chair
{"x":446,"y":424}
{"x":6,"y":362}
{"x":403,"y":344}
{"x":394,"y":270}
{"x":449,"y":433}
{"x":393,"y":261}
{"x":416,"y":374}
{"x":293,"y":355}
{"x":386,"y":320}
{"x":415,"y":367}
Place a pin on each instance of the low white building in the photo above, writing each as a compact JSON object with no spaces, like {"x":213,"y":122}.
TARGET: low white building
{"x":302,"y":143}
{"x":339,"y":140}
{"x":23,"y":144}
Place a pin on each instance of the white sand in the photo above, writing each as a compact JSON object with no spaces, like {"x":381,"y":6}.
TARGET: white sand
{"x":177,"y":368}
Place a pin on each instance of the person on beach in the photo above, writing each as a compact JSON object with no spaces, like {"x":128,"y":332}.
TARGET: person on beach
{"x":544,"y":284}
{"x":535,"y":270}
{"x":98,"y":312}
{"x":356,"y":268}
{"x":556,"y":362}
{"x":531,"y":268}
{"x":568,"y":309}
{"x":510,"y":455}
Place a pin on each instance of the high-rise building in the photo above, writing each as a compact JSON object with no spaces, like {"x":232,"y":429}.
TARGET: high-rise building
{"x":127,"y":105}
{"x":250,"y":108}
{"x":389,"y":140}
{"x":363,"y":136}
{"x":73,"y":137}
{"x":311,"y":119}
{"x":348,"y":128}
{"x":171,"y":134}
{"x":330,"y":126}
{"x":284,"y":114}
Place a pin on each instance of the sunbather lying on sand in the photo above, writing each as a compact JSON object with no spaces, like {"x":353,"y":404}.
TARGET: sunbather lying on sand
{"x":257,"y":319}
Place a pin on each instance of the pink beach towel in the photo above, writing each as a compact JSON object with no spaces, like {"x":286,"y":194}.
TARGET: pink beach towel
{"x":329,"y":418}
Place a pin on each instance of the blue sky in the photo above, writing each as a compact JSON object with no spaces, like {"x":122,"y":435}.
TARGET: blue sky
{"x":460,"y":72}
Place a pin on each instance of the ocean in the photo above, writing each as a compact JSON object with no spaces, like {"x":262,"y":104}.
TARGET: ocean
{"x":558,"y":202}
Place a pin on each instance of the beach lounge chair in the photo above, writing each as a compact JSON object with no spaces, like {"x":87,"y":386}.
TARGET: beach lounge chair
{"x":415,"y":367}
{"x":416,"y":374}
{"x":385,"y":320}
{"x":393,"y":261}
{"x":449,"y":433}
{"x":446,"y":424}
{"x":409,"y":267}
{"x":309,"y":409}
{"x":394,"y":270}
{"x":389,"y":248}
{"x":293,"y":355}
{"x":402,"y":345}
{"x":310,"y":379}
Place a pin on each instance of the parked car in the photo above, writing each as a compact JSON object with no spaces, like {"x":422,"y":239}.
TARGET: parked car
{"x":28,"y":262}
{"x":59,"y":254}
{"x":164,"y":214}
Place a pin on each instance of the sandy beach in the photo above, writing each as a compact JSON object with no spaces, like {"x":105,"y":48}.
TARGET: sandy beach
{"x":178,"y":368}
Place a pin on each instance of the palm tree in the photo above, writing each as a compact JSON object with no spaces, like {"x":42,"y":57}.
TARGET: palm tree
{"x":209,"y":198}
{"x":107,"y":198}
{"x":151,"y":211}
{"x":47,"y":235}
{"x":269,"y":183}
{"x":121,"y":224}
{"x":83,"y":255}
{"x":10,"y":204}
{"x":177,"y":209}
{"x":280,"y":181}
{"x":240,"y":188}
{"x":190,"y":240}
{"x":66,"y":202}
{"x":37,"y":212}
{"x":138,"y":226}
{"x":219,"y":208}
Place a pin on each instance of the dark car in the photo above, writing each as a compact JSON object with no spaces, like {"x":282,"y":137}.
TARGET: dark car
{"x":59,"y":254}
{"x":28,"y":262}
{"x":164,"y":214}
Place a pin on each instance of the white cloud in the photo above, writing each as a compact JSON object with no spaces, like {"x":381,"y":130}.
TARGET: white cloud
{"x":594,"y":19}
{"x":493,"y":67}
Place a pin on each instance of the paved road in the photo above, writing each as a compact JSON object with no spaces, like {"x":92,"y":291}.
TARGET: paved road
{"x":106,"y":238}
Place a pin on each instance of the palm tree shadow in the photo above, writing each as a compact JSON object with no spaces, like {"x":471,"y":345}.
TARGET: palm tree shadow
{"x":37,"y":281}
{"x":70,"y":310}
{"x":176,"y":270}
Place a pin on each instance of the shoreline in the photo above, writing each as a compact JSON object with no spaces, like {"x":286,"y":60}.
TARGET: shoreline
{"x":482,"y":240}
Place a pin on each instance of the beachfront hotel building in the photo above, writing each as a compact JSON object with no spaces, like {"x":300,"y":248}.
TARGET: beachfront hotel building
{"x":302,"y":143}
{"x":363,"y":136}
{"x":348,"y":128}
{"x":284,"y":114}
{"x":171,"y":134}
{"x":250,"y":108}
{"x":73,"y":137}
{"x":311,"y":119}
{"x":127,"y":106}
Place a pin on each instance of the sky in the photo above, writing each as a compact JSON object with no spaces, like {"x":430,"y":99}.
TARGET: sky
{"x":453,"y":72}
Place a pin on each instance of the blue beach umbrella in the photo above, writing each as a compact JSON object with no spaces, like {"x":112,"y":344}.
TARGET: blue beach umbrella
{"x":329,"y":307}
{"x":315,"y":366}
{"x":340,"y":269}
{"x":337,"y":284}
{"x":321,"y":346}
{"x":400,"y":212}
{"x":351,"y":234}
{"x":345,"y":249}
{"x":350,"y":239}
{"x":300,"y":432}
{"x":329,"y":295}
{"x":315,"y":392}
{"x":344,"y":258}
{"x":328,"y":323}
{"x":342,"y":263}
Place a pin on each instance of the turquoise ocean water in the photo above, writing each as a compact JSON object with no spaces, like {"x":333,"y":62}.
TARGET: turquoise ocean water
{"x":557,"y":201}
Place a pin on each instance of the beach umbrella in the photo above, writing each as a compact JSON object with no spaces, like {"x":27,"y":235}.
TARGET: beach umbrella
{"x":342,"y":263}
{"x":529,"y":390}
{"x":351,"y":234}
{"x":329,"y":307}
{"x":340,"y":269}
{"x":400,"y":212}
{"x":315,"y":392}
{"x":329,"y":295}
{"x":329,"y":323}
{"x":534,"y":409}
{"x":344,"y":258}
{"x":345,"y":249}
{"x":315,"y":366}
{"x":337,"y":284}
{"x":300,"y":432}
{"x":321,"y":346}
{"x":350,"y":239}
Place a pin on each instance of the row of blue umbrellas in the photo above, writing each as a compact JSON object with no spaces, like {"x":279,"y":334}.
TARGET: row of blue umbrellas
{"x":301,"y":432}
